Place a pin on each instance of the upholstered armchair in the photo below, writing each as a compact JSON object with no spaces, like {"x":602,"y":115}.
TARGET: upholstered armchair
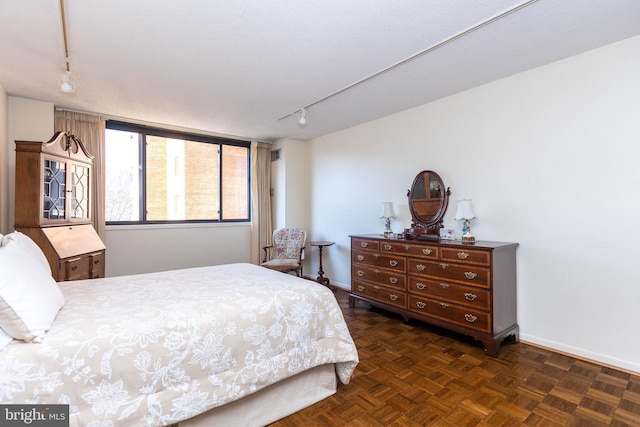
{"x":286,"y":251}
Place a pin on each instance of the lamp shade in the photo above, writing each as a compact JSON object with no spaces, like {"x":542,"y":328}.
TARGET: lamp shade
{"x":464,"y":210}
{"x":67,"y":84}
{"x":302,"y":117}
{"x":387,"y":210}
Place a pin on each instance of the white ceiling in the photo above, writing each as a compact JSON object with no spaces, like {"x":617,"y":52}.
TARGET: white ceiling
{"x":237,"y":67}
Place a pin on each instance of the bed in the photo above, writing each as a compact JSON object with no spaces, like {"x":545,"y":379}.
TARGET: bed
{"x":232,"y":344}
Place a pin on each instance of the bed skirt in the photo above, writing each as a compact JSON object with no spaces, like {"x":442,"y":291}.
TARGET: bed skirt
{"x":273,"y":403}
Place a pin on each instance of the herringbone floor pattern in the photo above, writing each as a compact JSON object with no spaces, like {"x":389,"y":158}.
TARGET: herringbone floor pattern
{"x":412,"y":374}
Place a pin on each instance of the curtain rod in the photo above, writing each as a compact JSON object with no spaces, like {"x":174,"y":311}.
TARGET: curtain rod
{"x":164,"y":126}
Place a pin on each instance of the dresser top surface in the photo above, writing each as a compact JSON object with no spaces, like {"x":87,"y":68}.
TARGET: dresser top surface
{"x":480,"y":244}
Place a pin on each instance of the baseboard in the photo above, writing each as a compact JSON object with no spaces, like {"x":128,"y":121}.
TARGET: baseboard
{"x":629,"y":367}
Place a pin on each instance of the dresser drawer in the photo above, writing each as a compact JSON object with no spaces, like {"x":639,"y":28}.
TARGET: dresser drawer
{"x":469,"y":256}
{"x":391,"y":261}
{"x":477,"y":298}
{"x":76,"y":268}
{"x":467,"y":274}
{"x":365,"y":245}
{"x":404,"y":248}
{"x":96,"y":264}
{"x":379,"y":276}
{"x":462,"y":316}
{"x":379,"y":293}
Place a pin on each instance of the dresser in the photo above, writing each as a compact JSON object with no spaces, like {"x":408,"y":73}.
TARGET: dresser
{"x":52,"y":205}
{"x":469,"y":289}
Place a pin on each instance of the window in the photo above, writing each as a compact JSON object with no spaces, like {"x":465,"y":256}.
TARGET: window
{"x":156,"y":176}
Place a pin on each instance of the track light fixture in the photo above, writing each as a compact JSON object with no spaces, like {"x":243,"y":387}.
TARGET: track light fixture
{"x":302,"y":120}
{"x":302,"y":117}
{"x":68,"y":82}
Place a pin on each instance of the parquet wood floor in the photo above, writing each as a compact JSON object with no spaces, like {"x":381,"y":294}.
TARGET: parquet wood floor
{"x":413,"y":374}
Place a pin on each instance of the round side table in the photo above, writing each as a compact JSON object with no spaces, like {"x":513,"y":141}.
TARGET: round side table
{"x":321,"y":279}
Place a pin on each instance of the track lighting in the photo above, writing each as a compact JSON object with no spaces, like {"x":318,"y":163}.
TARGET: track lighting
{"x":68,"y":83}
{"x":302,"y":117}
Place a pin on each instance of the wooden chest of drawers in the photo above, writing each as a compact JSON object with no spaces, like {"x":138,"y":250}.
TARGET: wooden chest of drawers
{"x":470,"y":289}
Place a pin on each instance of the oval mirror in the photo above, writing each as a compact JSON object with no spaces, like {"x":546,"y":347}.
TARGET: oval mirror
{"x":428,"y":202}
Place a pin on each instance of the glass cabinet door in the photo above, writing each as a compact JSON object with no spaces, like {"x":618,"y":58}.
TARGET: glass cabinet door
{"x":54,"y":194}
{"x":79,"y":192}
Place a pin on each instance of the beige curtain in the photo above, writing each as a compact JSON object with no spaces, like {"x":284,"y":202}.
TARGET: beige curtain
{"x":90,"y":129}
{"x":261,"y":227}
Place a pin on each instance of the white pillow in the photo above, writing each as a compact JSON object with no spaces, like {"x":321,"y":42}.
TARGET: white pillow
{"x":5,"y":339}
{"x":29,"y":297}
{"x":29,"y":245}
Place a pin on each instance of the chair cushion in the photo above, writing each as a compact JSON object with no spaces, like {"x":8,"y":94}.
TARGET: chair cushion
{"x":281,"y":264}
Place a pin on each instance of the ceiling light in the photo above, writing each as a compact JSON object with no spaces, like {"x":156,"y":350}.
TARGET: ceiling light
{"x":68,"y":83}
{"x":302,"y":117}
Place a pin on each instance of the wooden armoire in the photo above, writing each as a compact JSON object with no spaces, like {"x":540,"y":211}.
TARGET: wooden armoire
{"x":53,"y":205}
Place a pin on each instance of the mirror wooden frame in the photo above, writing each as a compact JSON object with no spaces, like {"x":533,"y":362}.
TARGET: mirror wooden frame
{"x":428,"y":203}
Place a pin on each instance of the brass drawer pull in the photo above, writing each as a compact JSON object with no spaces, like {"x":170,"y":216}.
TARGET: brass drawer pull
{"x":427,"y":251}
{"x":463,"y":255}
{"x":360,"y":258}
{"x":470,"y":275}
{"x":393,"y":280}
{"x":74,"y":268}
{"x":376,"y":255}
{"x":96,"y":262}
{"x":393,"y":263}
{"x":393,"y":297}
{"x":470,"y":297}
{"x":364,"y":244}
{"x":360,"y":273}
{"x":376,"y":271}
{"x":387,"y":247}
{"x":470,"y":318}
{"x":420,"y":285}
{"x":361,"y":288}
{"x":444,"y":285}
{"x":377,"y":288}
{"x":420,"y":267}
{"x":406,"y":247}
{"x":444,"y":305}
{"x":443,"y":265}
{"x":420,"y":304}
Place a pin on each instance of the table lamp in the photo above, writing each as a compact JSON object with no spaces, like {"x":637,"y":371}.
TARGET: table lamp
{"x":388,"y":213}
{"x":466,"y":213}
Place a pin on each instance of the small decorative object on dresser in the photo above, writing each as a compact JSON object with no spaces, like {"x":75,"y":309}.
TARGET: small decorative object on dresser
{"x":52,"y":205}
{"x":447,"y":234}
{"x":387,"y":213}
{"x":443,"y":282}
{"x":465,"y":213}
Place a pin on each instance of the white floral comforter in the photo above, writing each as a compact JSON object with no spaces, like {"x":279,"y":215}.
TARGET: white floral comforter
{"x":155,"y":349}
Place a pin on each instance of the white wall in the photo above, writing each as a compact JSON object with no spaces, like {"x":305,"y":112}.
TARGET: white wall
{"x":289,"y":178}
{"x":136,"y":249}
{"x":549,"y":158}
{"x":28,"y":120}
